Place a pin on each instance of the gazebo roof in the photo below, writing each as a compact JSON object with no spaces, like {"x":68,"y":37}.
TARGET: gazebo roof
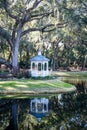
{"x":39,"y":57}
{"x":39,"y":116}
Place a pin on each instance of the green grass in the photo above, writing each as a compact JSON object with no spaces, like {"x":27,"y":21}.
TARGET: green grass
{"x":41,"y":86}
{"x":70,"y":74}
{"x":32,"y":86}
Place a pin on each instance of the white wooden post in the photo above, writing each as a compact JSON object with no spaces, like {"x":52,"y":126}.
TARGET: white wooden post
{"x":31,"y":66}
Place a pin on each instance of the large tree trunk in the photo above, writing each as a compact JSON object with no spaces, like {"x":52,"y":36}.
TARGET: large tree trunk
{"x":15,"y":59}
{"x":15,"y":52}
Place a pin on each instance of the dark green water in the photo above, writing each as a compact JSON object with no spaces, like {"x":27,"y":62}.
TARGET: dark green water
{"x":66,"y":111}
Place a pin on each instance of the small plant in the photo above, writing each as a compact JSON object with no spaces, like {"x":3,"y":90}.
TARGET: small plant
{"x":43,"y":78}
{"x":4,"y":71}
{"x":23,"y":75}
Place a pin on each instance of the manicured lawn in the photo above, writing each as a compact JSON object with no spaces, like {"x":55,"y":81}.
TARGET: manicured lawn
{"x":32,"y":86}
{"x":80,"y":74}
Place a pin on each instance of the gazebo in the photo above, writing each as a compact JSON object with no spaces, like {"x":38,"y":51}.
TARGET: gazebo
{"x":39,"y":65}
{"x":39,"y":108}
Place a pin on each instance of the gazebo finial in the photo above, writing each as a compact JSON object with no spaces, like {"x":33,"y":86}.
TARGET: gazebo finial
{"x":39,"y":52}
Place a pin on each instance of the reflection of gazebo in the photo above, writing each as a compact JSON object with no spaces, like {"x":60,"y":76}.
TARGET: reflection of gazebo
{"x":39,"y":107}
{"x":39,"y":65}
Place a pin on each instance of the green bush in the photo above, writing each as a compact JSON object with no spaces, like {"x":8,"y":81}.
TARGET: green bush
{"x":5,"y":71}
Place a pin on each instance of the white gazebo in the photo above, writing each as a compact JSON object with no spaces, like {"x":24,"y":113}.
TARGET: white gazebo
{"x":39,"y":108}
{"x":39,"y":65}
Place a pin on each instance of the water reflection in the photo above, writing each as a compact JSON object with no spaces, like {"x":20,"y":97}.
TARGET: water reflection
{"x":66,"y":111}
{"x":13,"y":125}
{"x":39,"y":108}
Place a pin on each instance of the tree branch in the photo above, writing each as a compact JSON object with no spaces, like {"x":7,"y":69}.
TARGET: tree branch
{"x":36,"y":29}
{"x":14,"y":30}
{"x":6,"y":35}
{"x":35,"y":17}
{"x":84,"y":3}
{"x":54,"y":27}
{"x":35,"y":4}
{"x":44,"y":28}
{"x":28,"y":15}
{"x":42,"y":14}
{"x":5,"y":5}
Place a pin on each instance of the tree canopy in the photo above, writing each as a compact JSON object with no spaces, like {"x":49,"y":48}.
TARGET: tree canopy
{"x":57,"y":27}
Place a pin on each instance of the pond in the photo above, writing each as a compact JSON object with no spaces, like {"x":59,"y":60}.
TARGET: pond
{"x":64,"y":111}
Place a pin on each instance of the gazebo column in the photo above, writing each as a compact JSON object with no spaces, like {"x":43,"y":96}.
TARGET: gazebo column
{"x":36,"y":69}
{"x":31,"y":66}
{"x":46,"y":68}
{"x":47,"y":65}
{"x":43,"y":69}
{"x":43,"y":66}
{"x":36,"y":65}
